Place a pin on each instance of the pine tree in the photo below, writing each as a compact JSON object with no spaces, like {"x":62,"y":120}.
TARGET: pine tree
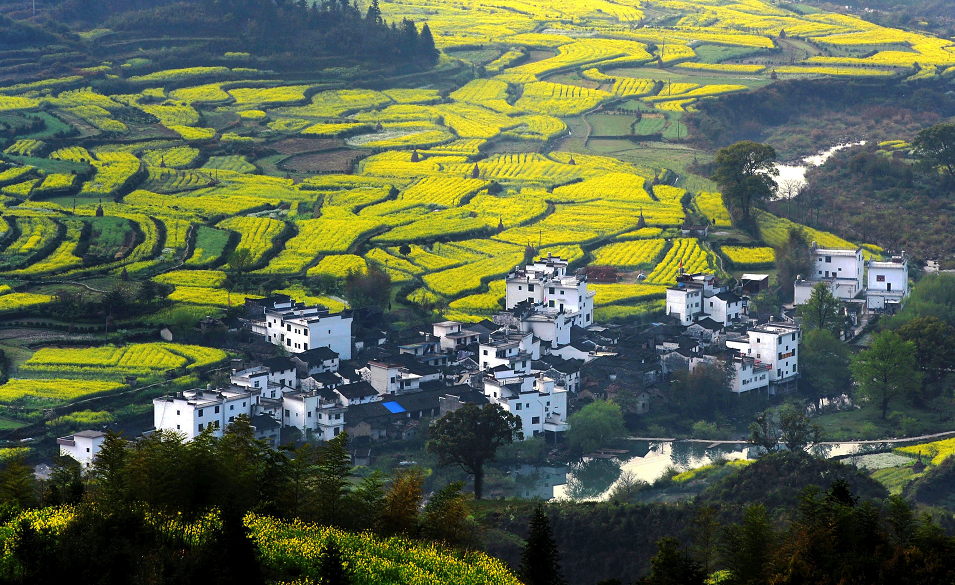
{"x":540,"y":561}
{"x":332,"y":567}
{"x":17,"y":485}
{"x":429,"y":53}
{"x":374,"y":13}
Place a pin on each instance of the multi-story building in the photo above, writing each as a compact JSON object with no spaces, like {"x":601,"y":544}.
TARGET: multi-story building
{"x":82,"y":446}
{"x":319,"y":412}
{"x":546,"y":284}
{"x":888,"y":284}
{"x":453,"y":336}
{"x":300,"y":329}
{"x":540,"y":404}
{"x":700,"y":295}
{"x":840,"y":269}
{"x":392,"y":379}
{"x":773,"y":344}
{"x":749,"y":374}
{"x":510,"y":348}
{"x":194,"y":411}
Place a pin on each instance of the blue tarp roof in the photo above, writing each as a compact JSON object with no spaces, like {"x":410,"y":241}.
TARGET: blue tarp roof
{"x":393,"y":407}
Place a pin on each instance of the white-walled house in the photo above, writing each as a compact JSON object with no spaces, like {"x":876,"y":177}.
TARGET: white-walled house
{"x":776,"y":345}
{"x":540,"y":404}
{"x":302,"y":328}
{"x":546,"y":285}
{"x":841,"y":269}
{"x":748,"y":374}
{"x":698,"y":295}
{"x":82,"y":446}
{"x":319,"y":412}
{"x":392,"y":379}
{"x":509,"y":348}
{"x":454,"y":336}
{"x":193,"y":411}
{"x":888,"y":284}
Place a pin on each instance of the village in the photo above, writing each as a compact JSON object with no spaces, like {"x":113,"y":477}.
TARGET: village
{"x":539,"y":359}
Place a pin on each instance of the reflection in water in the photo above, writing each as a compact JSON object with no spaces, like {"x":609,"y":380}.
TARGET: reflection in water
{"x":796,"y":174}
{"x":590,"y":478}
{"x":595,"y":479}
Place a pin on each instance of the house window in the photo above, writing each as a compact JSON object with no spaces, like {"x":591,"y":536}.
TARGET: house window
{"x":536,"y":420}
{"x":215,"y":424}
{"x":530,"y":288}
{"x":337,"y":430}
{"x":519,"y":287}
{"x":519,"y":405}
{"x":288,"y":328}
{"x":217,"y":410}
{"x":256,"y":384}
{"x":288,"y":342}
{"x":309,"y":414}
{"x":880,"y":278}
{"x":305,"y":346}
{"x":485,"y":352}
{"x":178,"y":413}
{"x":200,"y":427}
{"x":829,"y":259}
{"x":551,"y":290}
{"x":286,"y":412}
{"x":338,"y":416}
{"x":200,"y":412}
{"x":178,"y":427}
{"x":231,"y":419}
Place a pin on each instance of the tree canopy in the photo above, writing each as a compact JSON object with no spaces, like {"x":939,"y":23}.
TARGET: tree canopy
{"x":822,"y":311}
{"x":470,"y":436}
{"x":594,"y":425}
{"x":745,"y":172}
{"x":887,"y":370}
{"x":935,"y":147}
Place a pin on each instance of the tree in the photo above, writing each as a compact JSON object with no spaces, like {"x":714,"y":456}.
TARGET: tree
{"x":239,"y":261}
{"x":470,"y":437}
{"x":446,"y":516}
{"x":332,"y":566}
{"x":886,"y":370}
{"x":934,"y":342}
{"x":705,"y":529}
{"x":402,"y":500}
{"x":374,"y":13}
{"x":672,"y":566}
{"x":702,"y":391}
{"x":333,"y":472}
{"x":371,"y":289}
{"x":429,"y":53}
{"x":935,"y":147}
{"x":404,"y":250}
{"x":540,"y":560}
{"x":17,"y":484}
{"x":824,"y":361}
{"x":594,"y":425}
{"x":746,"y":547}
{"x":822,"y":310}
{"x":744,"y":172}
{"x":787,"y":425}
{"x":792,"y":260}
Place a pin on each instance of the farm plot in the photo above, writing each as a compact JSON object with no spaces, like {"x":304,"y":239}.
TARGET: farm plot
{"x":319,"y":236}
{"x":630,"y":255}
{"x":749,"y":256}
{"x":687,"y":255}
{"x":141,"y":359}
{"x":257,"y":234}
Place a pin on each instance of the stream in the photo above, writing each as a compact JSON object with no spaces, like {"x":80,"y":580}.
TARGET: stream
{"x":795,"y":173}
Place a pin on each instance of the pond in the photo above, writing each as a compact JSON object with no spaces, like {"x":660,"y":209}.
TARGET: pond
{"x":795,"y":173}
{"x":595,"y":478}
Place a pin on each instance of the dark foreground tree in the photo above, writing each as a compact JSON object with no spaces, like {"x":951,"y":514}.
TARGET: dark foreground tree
{"x":332,"y":566}
{"x":369,"y":289}
{"x":673,"y":566}
{"x":470,"y":436}
{"x":824,"y":361}
{"x":540,"y":561}
{"x":744,"y":172}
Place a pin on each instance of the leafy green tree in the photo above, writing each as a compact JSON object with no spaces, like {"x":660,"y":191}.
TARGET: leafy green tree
{"x":705,"y":528}
{"x":368,"y":502}
{"x":673,"y":566}
{"x":239,"y":262}
{"x":370,"y":289}
{"x":788,"y":425}
{"x":109,"y":471}
{"x":470,"y":436}
{"x":935,"y":147}
{"x":446,"y":516}
{"x":595,"y":425}
{"x":822,"y":310}
{"x":824,"y":361}
{"x":332,"y":480}
{"x":934,"y":342}
{"x":744,"y":172}
{"x":886,"y":370}
{"x":540,"y":559}
{"x":792,"y":260}
{"x":702,"y":392}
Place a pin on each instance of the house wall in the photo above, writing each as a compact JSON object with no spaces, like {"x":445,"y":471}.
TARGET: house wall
{"x":84,"y":449}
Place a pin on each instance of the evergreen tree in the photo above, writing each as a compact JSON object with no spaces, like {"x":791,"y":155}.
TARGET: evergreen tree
{"x":446,"y":516}
{"x":540,"y":561}
{"x":332,"y":480}
{"x":368,"y":503}
{"x":332,"y":566}
{"x":373,"y":15}
{"x":672,"y":566}
{"x":426,"y":48}
{"x":400,"y":514}
{"x":17,"y":484}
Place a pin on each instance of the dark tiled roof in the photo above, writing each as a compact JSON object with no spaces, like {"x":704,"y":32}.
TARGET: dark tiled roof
{"x":263,"y":422}
{"x":279,"y":364}
{"x":317,"y":355}
{"x":370,"y":411}
{"x":729,"y":297}
{"x":357,"y":391}
{"x":327,"y":379}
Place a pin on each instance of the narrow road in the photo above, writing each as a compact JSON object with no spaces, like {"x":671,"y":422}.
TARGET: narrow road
{"x":715,"y":443}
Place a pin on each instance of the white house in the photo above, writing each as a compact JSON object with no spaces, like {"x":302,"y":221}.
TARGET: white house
{"x":82,"y":446}
{"x":319,"y":412}
{"x":748,"y":374}
{"x":696,"y":295}
{"x":193,"y":411}
{"x":454,"y":336}
{"x":316,"y":361}
{"x":510,"y":348}
{"x":841,"y":269}
{"x":392,"y":378}
{"x":546,"y":284}
{"x":540,"y":404}
{"x":301,"y":328}
{"x":888,"y":284}
{"x":775,"y":345}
